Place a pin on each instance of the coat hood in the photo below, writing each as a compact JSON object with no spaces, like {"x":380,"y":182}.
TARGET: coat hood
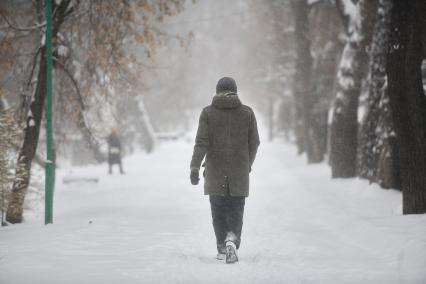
{"x":226,"y":100}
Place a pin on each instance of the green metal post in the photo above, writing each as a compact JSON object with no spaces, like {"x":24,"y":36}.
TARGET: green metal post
{"x":49,"y":179}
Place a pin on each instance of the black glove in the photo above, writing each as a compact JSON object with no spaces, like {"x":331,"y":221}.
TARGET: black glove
{"x":195,"y":176}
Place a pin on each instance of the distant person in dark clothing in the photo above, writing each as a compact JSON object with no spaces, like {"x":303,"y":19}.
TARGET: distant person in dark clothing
{"x":227,"y":137}
{"x":114,"y":151}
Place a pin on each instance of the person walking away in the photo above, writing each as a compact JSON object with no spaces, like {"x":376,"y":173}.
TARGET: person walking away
{"x":114,"y":151}
{"x":228,"y":139}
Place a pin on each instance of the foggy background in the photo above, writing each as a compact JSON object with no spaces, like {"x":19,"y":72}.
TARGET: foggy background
{"x":236,"y":39}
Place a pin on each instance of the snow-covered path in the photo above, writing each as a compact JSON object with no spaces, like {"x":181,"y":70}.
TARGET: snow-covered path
{"x":152,"y":226}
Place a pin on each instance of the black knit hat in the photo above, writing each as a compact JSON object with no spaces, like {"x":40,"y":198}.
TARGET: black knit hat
{"x":226,"y":84}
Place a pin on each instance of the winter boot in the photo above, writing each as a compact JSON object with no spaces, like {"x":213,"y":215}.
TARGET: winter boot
{"x":231,"y":252}
{"x":221,"y":252}
{"x":221,"y":256}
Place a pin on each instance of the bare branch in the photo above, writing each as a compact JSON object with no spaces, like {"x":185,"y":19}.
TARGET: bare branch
{"x":59,"y":16}
{"x":76,"y":87}
{"x":33,"y":67}
{"x":22,"y":29}
{"x":83,"y":127}
{"x":315,"y":3}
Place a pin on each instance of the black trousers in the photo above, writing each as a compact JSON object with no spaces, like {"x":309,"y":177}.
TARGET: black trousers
{"x":115,"y":159}
{"x":227,"y":215}
{"x":120,"y":166}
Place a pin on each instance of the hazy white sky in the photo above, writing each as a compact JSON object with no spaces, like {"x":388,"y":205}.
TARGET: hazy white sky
{"x":226,"y":41}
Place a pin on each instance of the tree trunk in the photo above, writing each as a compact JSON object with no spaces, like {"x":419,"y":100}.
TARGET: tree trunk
{"x":33,"y":124}
{"x":352,"y":70}
{"x":377,"y":161}
{"x":145,"y":127}
{"x":302,"y":88}
{"x":407,"y":99}
{"x":28,"y":150}
{"x":271,"y":119}
{"x":325,"y":30}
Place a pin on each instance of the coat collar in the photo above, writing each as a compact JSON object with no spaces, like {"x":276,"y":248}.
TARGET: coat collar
{"x":226,"y":100}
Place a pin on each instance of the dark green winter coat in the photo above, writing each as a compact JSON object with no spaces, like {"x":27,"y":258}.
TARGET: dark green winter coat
{"x":227,"y":136}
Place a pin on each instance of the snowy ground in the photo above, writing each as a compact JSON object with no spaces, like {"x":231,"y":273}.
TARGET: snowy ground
{"x":152,"y":226}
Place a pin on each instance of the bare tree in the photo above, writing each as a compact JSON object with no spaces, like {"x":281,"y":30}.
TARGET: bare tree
{"x":33,"y":124}
{"x":98,"y":36}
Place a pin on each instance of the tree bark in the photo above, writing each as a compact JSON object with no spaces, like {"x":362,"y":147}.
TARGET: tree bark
{"x":353,"y":69}
{"x":326,"y":48}
{"x":377,"y":161}
{"x":29,"y":147}
{"x":302,"y":88}
{"x":407,"y":99}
